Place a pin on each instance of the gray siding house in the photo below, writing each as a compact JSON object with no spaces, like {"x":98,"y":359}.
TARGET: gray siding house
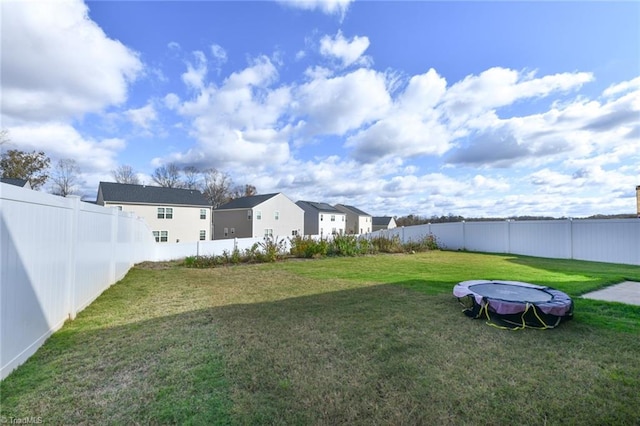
{"x":322,"y":219}
{"x":258,"y":216}
{"x":357,"y":222}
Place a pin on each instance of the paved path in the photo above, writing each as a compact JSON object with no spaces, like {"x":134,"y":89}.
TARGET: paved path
{"x":626,"y":292}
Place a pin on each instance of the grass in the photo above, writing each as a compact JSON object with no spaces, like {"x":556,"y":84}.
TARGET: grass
{"x":370,"y":340}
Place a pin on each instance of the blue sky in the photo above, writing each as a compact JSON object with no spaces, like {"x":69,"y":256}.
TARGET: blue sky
{"x":429,"y":108}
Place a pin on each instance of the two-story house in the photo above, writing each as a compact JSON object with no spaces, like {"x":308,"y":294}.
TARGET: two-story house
{"x":322,"y":219}
{"x":357,"y":222}
{"x":383,"y":222}
{"x":173,"y":214}
{"x":267,"y":215}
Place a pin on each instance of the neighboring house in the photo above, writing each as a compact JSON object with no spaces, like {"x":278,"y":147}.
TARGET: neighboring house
{"x":383,"y":222}
{"x":23,"y":183}
{"x":258,"y":216}
{"x":322,"y":219}
{"x":174,"y":215}
{"x":357,"y":222}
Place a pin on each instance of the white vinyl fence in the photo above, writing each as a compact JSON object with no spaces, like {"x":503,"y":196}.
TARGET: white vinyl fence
{"x":56,"y":256}
{"x":602,"y":240}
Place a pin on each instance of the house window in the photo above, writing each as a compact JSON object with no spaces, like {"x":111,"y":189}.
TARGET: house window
{"x":258,"y":215}
{"x":119,"y":208}
{"x":268,"y":232}
{"x":226,"y":232}
{"x":203,"y":235}
{"x":343,"y":218}
{"x":334,"y":231}
{"x":248,"y":214}
{"x":276,"y":215}
{"x":321,"y":217}
{"x":203,"y":213}
{"x":233,"y":231}
{"x":333,"y":218}
{"x":161,"y":236}
{"x":294,"y":232}
{"x":165,"y":213}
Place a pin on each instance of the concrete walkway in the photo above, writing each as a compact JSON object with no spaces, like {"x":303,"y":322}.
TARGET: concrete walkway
{"x":626,"y":292}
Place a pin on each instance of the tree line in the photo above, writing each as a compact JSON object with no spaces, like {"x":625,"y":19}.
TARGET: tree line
{"x":64,"y":178}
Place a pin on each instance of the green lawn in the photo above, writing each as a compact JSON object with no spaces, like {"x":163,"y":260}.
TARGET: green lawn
{"x":367,"y":340}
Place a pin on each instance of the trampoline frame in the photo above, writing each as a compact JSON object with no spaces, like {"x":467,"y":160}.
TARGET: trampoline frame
{"x":514,"y":314}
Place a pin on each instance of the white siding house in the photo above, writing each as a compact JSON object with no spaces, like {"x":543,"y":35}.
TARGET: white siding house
{"x":258,"y":216}
{"x":173,"y":214}
{"x":322,"y":219}
{"x":383,"y":222}
{"x":357,"y":222}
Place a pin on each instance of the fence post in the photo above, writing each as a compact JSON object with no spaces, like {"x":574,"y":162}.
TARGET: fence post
{"x":464,"y":236}
{"x":114,"y":245}
{"x":72,"y":254}
{"x":508,"y":242}
{"x":570,"y":221}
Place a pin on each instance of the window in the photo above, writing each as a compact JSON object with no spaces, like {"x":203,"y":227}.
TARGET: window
{"x":334,"y":231}
{"x":161,"y":236}
{"x":294,"y":232}
{"x":321,"y":217}
{"x":226,"y":231}
{"x":248,"y":214}
{"x":343,"y":218}
{"x":268,"y":233}
{"x":165,"y":213}
{"x":203,"y":235}
{"x":276,"y":215}
{"x":333,"y":218}
{"x":203,"y":213}
{"x":258,"y":215}
{"x":233,"y":231}
{"x":119,"y":208}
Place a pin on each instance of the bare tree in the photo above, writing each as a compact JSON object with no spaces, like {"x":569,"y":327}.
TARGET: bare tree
{"x":240,"y":191}
{"x":192,"y":177}
{"x":65,"y":177}
{"x":216,"y":187}
{"x":125,"y":174}
{"x":167,"y":176}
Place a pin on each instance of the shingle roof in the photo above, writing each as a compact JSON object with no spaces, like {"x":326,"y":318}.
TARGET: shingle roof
{"x":381,"y":220}
{"x":354,"y":210}
{"x":322,"y":207}
{"x":246,"y":202}
{"x":143,"y":194}
{"x":13,"y":181}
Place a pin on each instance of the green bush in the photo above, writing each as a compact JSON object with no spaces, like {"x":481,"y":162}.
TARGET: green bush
{"x":308,"y":247}
{"x":271,"y":249}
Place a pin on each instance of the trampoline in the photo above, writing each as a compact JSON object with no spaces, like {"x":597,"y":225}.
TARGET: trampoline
{"x":514,"y":304}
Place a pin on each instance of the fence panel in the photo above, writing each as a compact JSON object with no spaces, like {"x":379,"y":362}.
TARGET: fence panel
{"x":616,"y":241}
{"x":56,"y":256}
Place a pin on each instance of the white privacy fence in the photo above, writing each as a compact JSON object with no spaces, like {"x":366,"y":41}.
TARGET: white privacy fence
{"x":56,"y":256}
{"x":602,"y":240}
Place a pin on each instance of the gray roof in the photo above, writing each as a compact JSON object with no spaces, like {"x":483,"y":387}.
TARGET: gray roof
{"x":143,"y":194}
{"x":381,"y":220}
{"x":14,"y":181}
{"x":321,"y":207}
{"x":354,"y":210}
{"x":246,"y":202}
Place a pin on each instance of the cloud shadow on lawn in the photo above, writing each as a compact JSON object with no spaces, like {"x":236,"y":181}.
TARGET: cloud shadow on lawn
{"x":376,"y":354}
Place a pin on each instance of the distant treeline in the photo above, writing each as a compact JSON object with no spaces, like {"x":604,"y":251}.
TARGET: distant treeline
{"x":419,"y":220}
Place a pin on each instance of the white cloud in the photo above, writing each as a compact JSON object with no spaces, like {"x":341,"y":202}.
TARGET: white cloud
{"x":330,"y":7}
{"x":347,"y":52}
{"x":219,"y":53}
{"x":60,"y":140}
{"x":342,"y":103}
{"x":142,"y":117}
{"x":196,"y":73}
{"x":57,"y":63}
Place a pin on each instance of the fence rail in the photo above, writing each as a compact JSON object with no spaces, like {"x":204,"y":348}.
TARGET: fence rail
{"x":58,"y":254}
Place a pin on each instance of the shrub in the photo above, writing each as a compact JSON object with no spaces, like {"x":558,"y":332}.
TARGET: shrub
{"x":308,"y":247}
{"x":272,"y":249}
{"x":343,"y":245}
{"x":383,"y":244}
